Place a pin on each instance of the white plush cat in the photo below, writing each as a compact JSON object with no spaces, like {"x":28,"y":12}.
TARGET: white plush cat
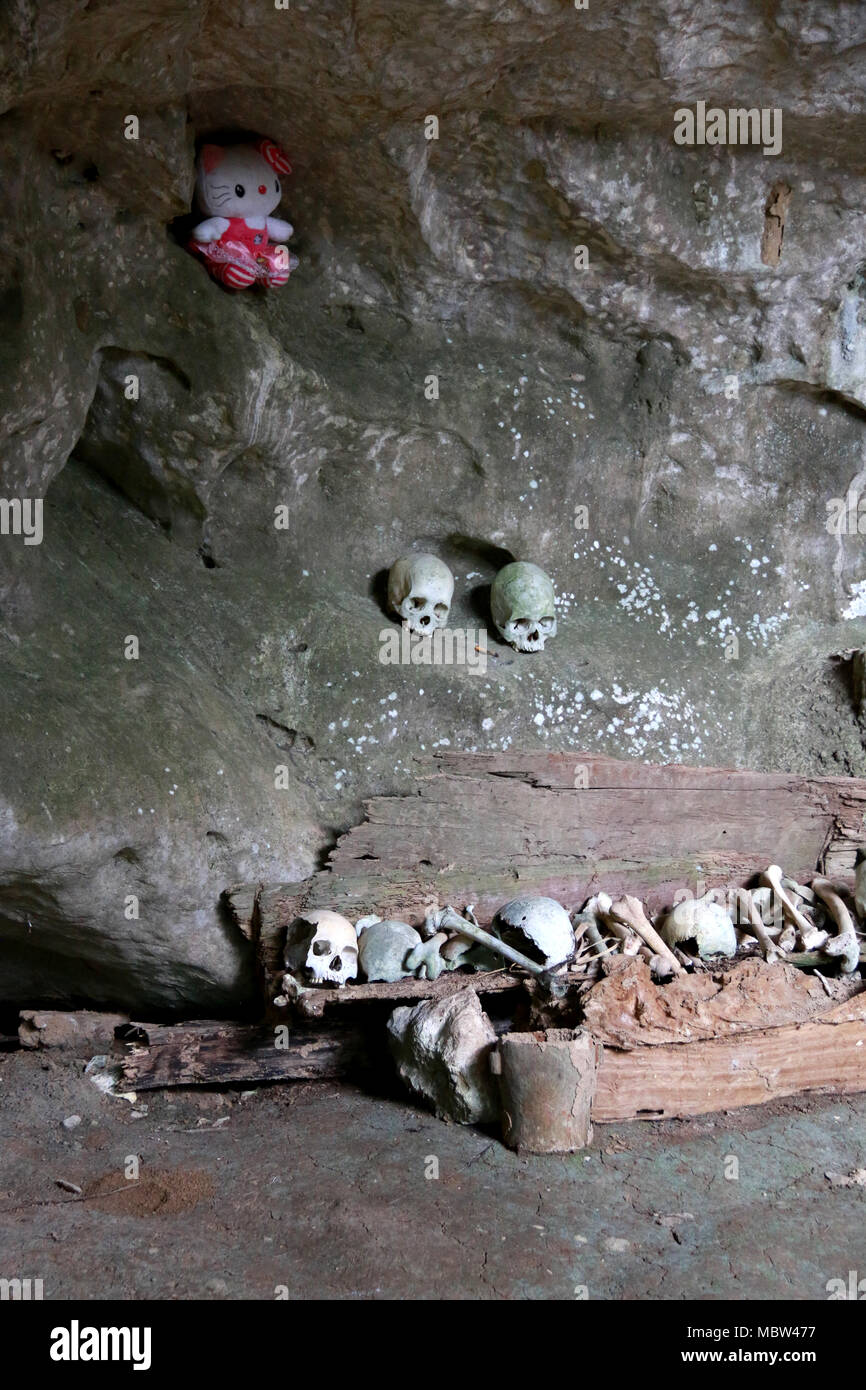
{"x":239,"y":185}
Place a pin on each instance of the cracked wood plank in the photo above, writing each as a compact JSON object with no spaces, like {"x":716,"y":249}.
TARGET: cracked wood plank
{"x":825,"y":1055}
{"x":216,"y":1053}
{"x":521,"y":817}
{"x":313,"y":1003}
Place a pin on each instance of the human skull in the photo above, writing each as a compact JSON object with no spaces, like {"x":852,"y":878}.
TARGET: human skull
{"x":539,"y":927}
{"x":322,"y":947}
{"x":704,"y":922}
{"x":420,"y":589}
{"x":383,"y":948}
{"x":522,"y":603}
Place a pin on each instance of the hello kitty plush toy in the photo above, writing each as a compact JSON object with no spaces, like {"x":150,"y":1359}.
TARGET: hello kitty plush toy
{"x":239,"y":185}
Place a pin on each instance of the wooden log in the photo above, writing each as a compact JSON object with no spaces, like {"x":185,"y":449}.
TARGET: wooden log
{"x":826,"y":1054}
{"x":83,"y":1031}
{"x":222,"y":1053}
{"x":547,"y":1083}
{"x":314,"y":1002}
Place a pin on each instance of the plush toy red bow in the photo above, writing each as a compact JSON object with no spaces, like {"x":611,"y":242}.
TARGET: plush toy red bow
{"x":276,"y":157}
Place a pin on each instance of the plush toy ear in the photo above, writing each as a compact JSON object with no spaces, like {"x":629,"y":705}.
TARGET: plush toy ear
{"x":276,"y":157}
{"x":211,"y":156}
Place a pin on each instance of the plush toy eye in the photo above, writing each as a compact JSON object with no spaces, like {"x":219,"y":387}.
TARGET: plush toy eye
{"x":240,"y":190}
{"x":276,"y":185}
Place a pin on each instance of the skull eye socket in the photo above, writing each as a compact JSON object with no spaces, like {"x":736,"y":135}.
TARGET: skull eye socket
{"x":546,"y":624}
{"x":417,"y":603}
{"x":321,"y":948}
{"x":522,"y":624}
{"x":441,"y":610}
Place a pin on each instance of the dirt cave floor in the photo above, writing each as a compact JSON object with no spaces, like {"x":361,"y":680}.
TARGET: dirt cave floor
{"x":325,"y":1190}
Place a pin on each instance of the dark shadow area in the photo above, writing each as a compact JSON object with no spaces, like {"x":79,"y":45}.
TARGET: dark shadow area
{"x":483,"y":553}
{"x":478,"y":602}
{"x":378,"y":590}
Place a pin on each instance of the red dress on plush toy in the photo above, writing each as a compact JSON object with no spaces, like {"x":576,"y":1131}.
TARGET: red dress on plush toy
{"x":239,"y":185}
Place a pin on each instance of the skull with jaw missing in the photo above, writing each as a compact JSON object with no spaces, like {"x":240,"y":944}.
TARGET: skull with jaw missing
{"x":420,"y":589}
{"x":322,"y":948}
{"x":523,"y":606}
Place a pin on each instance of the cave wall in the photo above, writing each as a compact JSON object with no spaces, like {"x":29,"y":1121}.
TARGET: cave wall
{"x":703,"y":407}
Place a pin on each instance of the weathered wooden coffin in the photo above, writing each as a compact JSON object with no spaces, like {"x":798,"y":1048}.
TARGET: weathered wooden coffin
{"x":482,"y":828}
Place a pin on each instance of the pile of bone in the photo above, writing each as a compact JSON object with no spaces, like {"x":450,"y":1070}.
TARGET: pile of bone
{"x":809,"y":926}
{"x":323,"y":948}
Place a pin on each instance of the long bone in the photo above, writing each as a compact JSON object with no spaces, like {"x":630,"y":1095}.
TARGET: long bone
{"x":773,"y":876}
{"x":629,"y":911}
{"x":629,"y":943}
{"x":800,"y":890}
{"x":743,"y":899}
{"x":805,"y":899}
{"x":845,"y":943}
{"x":598,"y":909}
{"x":446,"y":917}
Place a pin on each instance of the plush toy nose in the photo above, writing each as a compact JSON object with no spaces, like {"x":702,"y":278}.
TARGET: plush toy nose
{"x":263,"y":188}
